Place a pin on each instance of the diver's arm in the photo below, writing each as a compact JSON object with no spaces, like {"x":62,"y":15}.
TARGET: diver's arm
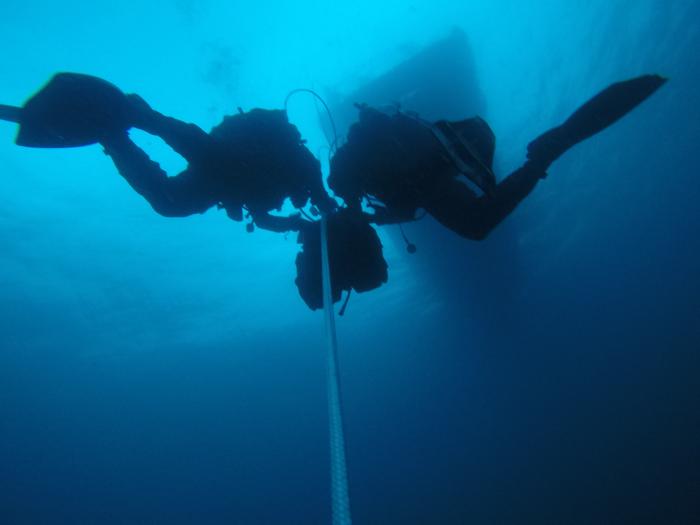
{"x":188,"y":140}
{"x":277,"y":224}
{"x":457,"y":207}
{"x":303,"y":167}
{"x":169,"y":196}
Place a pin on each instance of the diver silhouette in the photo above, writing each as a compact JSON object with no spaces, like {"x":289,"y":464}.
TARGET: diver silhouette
{"x":250,"y":162}
{"x":398,"y":163}
{"x":253,"y":161}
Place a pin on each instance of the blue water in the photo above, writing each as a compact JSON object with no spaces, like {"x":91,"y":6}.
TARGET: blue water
{"x":159,"y":370}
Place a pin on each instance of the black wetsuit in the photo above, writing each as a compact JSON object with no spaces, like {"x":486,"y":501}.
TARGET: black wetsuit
{"x":252,"y":161}
{"x":397,"y":160}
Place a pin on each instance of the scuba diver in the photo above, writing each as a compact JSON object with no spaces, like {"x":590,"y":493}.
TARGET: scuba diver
{"x":398,"y":163}
{"x":251,"y":161}
{"x":254,"y":161}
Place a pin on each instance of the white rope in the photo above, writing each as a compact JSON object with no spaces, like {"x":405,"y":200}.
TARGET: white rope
{"x":340,"y":499}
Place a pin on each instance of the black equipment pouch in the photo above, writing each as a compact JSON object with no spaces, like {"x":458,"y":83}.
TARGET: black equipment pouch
{"x":354,"y":253}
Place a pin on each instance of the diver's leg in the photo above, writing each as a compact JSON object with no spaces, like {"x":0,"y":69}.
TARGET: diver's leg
{"x":188,"y":140}
{"x":598,"y":113}
{"x":169,"y":196}
{"x":458,"y":208}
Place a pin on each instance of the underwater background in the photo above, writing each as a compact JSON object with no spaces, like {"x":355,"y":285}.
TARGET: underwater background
{"x":159,"y":370}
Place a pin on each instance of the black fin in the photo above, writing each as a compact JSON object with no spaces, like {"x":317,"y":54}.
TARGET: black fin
{"x":72,"y":110}
{"x":598,"y":113}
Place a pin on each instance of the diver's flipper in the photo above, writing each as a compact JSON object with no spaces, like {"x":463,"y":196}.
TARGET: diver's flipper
{"x":598,"y":113}
{"x":10,"y":113}
{"x":71,"y":110}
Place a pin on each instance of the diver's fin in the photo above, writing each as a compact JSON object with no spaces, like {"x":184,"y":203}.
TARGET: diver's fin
{"x":10,"y":113}
{"x":598,"y":113}
{"x":72,"y":110}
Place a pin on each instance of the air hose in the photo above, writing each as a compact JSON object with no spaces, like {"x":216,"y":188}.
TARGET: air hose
{"x":340,"y":499}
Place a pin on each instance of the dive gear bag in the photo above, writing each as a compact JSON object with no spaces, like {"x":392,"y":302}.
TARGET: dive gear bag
{"x":354,"y":253}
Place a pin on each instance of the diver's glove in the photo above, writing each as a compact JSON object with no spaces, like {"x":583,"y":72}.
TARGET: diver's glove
{"x":325,"y":203}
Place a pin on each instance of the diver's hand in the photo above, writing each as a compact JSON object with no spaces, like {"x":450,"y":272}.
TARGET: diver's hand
{"x":326,"y":204}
